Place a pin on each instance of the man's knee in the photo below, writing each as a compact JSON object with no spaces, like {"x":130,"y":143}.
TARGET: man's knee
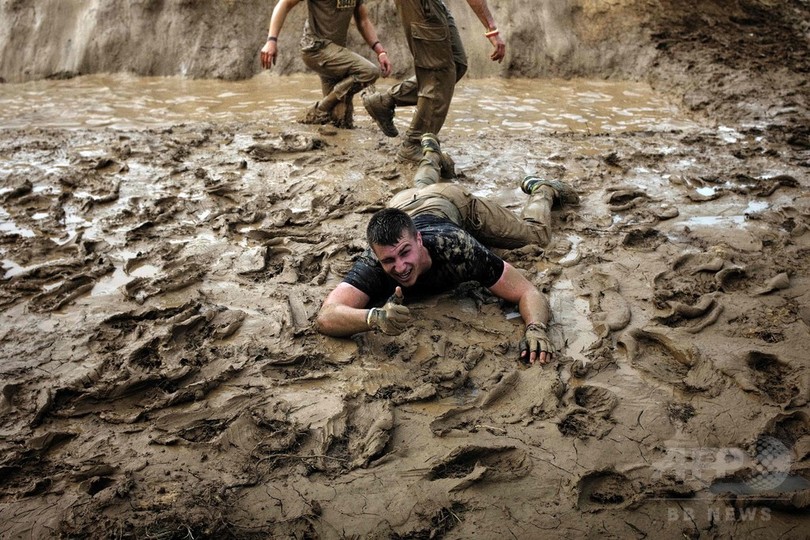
{"x":367,"y":75}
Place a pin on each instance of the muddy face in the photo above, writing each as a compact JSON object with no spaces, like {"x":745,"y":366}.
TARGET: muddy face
{"x":405,"y":261}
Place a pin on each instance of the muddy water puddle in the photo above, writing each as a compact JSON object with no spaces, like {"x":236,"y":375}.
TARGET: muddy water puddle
{"x":515,"y":105}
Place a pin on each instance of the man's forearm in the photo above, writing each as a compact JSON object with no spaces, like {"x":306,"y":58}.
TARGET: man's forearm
{"x":341,"y":321}
{"x":366,"y":27}
{"x":481,"y":10}
{"x":279,"y":16}
{"x":534,"y":308}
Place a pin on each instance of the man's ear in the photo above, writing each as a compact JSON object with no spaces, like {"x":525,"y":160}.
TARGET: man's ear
{"x":419,"y":238}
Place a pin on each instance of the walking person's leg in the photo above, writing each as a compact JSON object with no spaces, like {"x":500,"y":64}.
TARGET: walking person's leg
{"x":343,"y":73}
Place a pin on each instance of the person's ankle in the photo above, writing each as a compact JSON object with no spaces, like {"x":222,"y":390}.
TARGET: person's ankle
{"x":547,"y":192}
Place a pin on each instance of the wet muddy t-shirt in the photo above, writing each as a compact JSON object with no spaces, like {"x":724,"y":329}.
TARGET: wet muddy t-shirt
{"x":329,"y":19}
{"x":457,"y":258}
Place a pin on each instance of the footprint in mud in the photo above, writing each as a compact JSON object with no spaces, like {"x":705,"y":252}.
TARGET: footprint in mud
{"x":600,"y":356}
{"x":354,"y":436}
{"x":777,"y":283}
{"x":66,"y":292}
{"x":772,"y":377}
{"x":610,"y":312}
{"x":179,"y":275}
{"x":660,"y":357}
{"x":692,"y":318}
{"x":591,"y":417}
{"x":692,"y":276}
{"x":731,"y":278}
{"x":474,"y":464}
{"x":458,"y":418}
{"x":471,"y":417}
{"x":623,"y":198}
{"x":645,"y":209}
{"x":70,"y":288}
{"x":597,"y":400}
{"x":604,"y":490}
{"x":793,"y":430}
{"x":700,"y":189}
{"x":643,"y":239}
{"x":287,"y":143}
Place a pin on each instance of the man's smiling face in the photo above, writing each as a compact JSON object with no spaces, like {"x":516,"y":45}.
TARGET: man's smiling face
{"x":404,"y":261}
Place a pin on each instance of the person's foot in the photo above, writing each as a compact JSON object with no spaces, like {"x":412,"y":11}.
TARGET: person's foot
{"x":342,"y":114}
{"x":430,"y":143}
{"x":410,"y":151}
{"x":381,"y":108}
{"x":315,"y":115}
{"x":563,"y":192}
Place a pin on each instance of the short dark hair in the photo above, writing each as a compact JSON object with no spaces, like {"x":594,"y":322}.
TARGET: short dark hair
{"x":387,"y":226}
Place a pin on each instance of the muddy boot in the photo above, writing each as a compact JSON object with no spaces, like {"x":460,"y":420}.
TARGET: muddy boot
{"x":381,"y":108}
{"x":430,"y":143}
{"x":563,"y":192}
{"x":410,"y":151}
{"x":342,"y":114}
{"x":315,"y":115}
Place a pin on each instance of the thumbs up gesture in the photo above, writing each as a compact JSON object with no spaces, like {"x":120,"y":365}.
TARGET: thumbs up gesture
{"x":392,"y":318}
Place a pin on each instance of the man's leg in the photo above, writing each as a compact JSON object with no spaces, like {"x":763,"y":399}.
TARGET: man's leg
{"x":343,"y":73}
{"x":381,"y":105}
{"x":497,"y":226}
{"x":436,"y":87}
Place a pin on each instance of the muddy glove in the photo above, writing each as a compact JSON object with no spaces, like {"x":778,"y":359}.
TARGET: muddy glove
{"x":392,"y":318}
{"x":535,"y":344}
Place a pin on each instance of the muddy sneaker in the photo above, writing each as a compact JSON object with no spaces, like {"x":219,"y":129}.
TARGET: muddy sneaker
{"x":314,"y":115}
{"x":381,"y":108}
{"x":410,"y":151}
{"x":430,"y":143}
{"x":563,"y":192}
{"x":448,"y":166}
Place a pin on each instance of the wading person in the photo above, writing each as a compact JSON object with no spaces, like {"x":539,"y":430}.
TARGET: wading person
{"x":432,"y":238}
{"x":343,"y":73}
{"x":439,"y":62}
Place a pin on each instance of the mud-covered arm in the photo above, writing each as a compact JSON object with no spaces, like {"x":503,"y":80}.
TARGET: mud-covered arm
{"x":369,"y":33}
{"x":533,"y":305}
{"x":481,"y":10}
{"x":270,"y":50}
{"x":343,"y":312}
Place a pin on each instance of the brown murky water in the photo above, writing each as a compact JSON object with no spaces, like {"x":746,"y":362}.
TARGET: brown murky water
{"x":515,"y":105}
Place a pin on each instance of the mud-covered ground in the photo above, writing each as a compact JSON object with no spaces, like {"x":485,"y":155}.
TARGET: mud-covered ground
{"x":161,"y":379}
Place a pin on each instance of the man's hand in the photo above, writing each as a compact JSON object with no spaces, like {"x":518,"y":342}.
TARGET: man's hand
{"x":536,"y":346}
{"x":269,"y":53}
{"x":500,"y":48}
{"x":392,"y":318}
{"x":385,"y":64}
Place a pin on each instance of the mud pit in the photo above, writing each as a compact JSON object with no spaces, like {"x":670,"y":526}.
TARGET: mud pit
{"x":161,"y":377}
